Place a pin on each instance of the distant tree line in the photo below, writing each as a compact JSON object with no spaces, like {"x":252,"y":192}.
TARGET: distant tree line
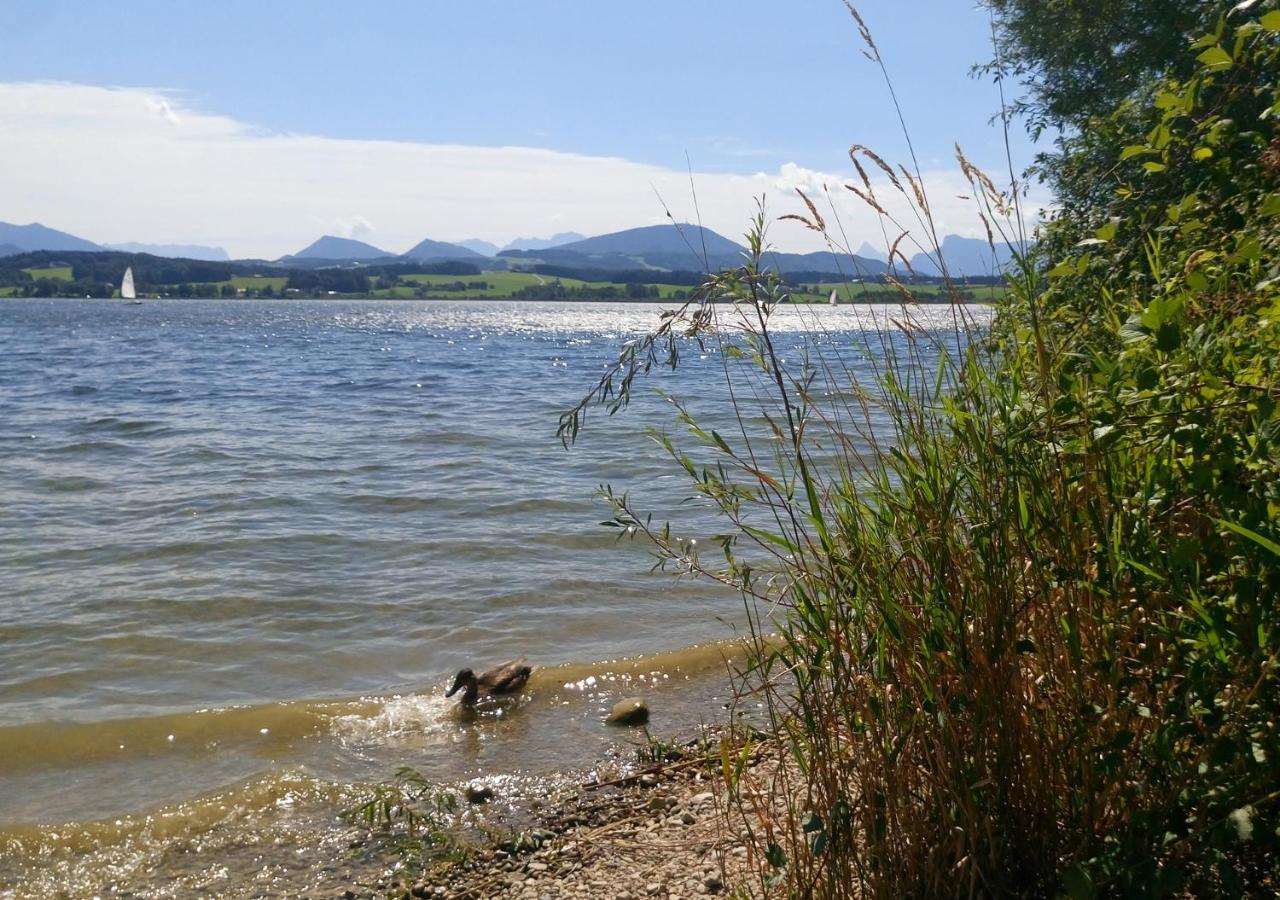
{"x":557,"y":290}
{"x":629,"y":276}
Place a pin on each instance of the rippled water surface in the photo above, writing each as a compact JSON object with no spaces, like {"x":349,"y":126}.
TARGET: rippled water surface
{"x":248,"y":540}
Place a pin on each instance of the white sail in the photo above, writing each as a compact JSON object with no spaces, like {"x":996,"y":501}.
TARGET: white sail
{"x":126,"y":286}
{"x":832,"y":298}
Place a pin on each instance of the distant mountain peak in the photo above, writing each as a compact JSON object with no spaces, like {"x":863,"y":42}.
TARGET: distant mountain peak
{"x":429,"y":250}
{"x":866,"y":251}
{"x":484,"y":248}
{"x":672,"y":238}
{"x":534,"y":243}
{"x":173,"y":251}
{"x":330,"y":247}
{"x":35,"y":236}
{"x":965,"y":257}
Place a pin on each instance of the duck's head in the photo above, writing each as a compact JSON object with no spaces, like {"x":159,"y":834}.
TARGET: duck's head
{"x":466,"y":678}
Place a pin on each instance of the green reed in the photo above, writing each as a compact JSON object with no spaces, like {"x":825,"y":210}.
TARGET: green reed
{"x":1027,"y":643}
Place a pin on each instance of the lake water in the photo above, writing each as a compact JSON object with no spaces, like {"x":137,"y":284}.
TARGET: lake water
{"x":244,"y":544}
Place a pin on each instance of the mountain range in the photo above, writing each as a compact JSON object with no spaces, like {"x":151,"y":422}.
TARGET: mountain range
{"x":174,"y":251}
{"x":683,"y":248}
{"x":670,"y":247}
{"x":39,"y":237}
{"x":488,"y":248}
{"x":965,"y":258}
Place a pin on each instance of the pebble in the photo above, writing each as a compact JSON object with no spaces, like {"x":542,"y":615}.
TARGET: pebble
{"x":664,"y":844}
{"x":631,"y":711}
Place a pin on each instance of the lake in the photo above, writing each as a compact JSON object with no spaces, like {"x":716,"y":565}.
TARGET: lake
{"x":244,"y":545}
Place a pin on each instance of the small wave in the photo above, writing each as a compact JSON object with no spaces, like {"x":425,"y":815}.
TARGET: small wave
{"x":86,"y":447}
{"x":117,"y":425}
{"x":71,"y":484}
{"x":197,"y":455}
{"x":394,"y":503}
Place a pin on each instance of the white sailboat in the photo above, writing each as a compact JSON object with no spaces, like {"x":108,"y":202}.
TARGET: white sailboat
{"x":127,"y":290}
{"x":832,"y":299}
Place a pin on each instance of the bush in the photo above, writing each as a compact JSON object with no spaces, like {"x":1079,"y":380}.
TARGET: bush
{"x":1029,"y":646}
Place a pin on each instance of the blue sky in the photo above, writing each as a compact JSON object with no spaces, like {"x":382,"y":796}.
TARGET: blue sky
{"x":743,"y":87}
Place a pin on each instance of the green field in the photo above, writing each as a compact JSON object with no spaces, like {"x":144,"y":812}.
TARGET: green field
{"x":503,"y":285}
{"x":57,"y":273}
{"x":257,"y":282}
{"x":852,"y":293}
{"x":500,"y":283}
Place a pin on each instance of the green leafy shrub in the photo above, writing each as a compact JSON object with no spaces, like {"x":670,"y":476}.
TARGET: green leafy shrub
{"x":1029,"y":643}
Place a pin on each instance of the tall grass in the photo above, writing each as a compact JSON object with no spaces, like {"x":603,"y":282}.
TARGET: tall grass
{"x":1027,"y":640}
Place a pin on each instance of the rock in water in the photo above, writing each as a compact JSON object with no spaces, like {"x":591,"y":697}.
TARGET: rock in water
{"x":478,"y":793}
{"x":631,"y":711}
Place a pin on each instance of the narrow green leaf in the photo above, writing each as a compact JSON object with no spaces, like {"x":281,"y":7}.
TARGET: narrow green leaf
{"x":1258,"y":539}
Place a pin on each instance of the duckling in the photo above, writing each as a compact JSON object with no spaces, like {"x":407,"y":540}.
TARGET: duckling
{"x":508,"y":678}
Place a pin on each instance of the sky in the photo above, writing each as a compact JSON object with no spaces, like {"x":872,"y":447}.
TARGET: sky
{"x":258,"y":126}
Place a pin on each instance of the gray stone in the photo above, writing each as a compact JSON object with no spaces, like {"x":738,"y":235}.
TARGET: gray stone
{"x":631,"y":711}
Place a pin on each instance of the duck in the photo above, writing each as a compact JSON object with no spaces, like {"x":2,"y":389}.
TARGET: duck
{"x":508,"y":678}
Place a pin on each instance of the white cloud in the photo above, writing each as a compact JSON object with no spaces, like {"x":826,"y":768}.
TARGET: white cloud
{"x":121,"y":164}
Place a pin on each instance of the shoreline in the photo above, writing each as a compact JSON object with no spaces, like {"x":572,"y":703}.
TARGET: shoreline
{"x":286,"y":826}
{"x":665,"y":829}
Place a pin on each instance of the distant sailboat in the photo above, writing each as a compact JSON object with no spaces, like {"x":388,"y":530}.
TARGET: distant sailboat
{"x":832,"y":298}
{"x":126,"y":288}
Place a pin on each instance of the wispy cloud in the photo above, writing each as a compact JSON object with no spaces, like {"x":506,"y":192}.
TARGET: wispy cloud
{"x":119,"y":164}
